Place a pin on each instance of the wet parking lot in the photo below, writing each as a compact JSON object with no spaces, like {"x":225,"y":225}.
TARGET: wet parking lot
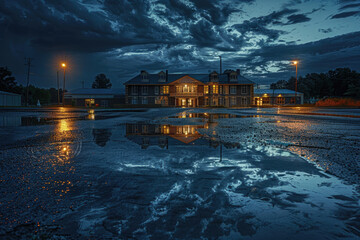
{"x":180,"y":174}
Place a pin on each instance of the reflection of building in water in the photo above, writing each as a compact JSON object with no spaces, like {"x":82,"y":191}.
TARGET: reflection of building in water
{"x":157,"y":134}
{"x":101,"y":136}
{"x":163,"y":135}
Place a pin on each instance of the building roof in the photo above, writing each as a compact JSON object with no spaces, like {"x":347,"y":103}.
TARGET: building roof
{"x":95,"y":91}
{"x":276,"y":91}
{"x":9,"y":93}
{"x":204,"y":78}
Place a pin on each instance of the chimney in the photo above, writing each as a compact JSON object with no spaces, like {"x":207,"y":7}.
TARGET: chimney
{"x":238,"y":72}
{"x":166,"y":76}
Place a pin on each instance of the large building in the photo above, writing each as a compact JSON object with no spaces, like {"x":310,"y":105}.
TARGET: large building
{"x":94,"y":97}
{"x":229,"y":89}
{"x":277,"y":97}
{"x":8,"y":99}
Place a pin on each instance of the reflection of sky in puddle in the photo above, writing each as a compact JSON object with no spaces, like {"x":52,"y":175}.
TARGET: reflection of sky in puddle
{"x":187,"y":182}
{"x":252,"y":191}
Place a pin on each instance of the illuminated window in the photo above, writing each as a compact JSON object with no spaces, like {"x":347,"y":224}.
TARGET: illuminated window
{"x":280,"y":100}
{"x":215,"y":89}
{"x":232,"y":89}
{"x":164,"y":90}
{"x":206,"y":89}
{"x":165,"y":129}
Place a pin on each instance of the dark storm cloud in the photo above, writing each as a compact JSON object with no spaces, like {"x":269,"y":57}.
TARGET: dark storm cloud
{"x":355,"y":5}
{"x":69,"y":25}
{"x":213,"y":13}
{"x":345,"y":14}
{"x":123,"y":36}
{"x":297,"y":18}
{"x":259,"y":25}
{"x":334,"y":44}
{"x":179,"y":9}
{"x":343,"y":50}
{"x":327,"y":30}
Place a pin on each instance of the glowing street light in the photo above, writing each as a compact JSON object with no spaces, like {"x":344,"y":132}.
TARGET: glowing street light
{"x":63,"y":65}
{"x":296,"y":69}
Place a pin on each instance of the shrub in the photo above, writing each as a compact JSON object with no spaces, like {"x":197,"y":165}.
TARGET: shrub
{"x":338,"y":102}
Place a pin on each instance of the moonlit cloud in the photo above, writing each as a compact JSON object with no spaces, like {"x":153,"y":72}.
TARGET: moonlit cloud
{"x":121,"y":37}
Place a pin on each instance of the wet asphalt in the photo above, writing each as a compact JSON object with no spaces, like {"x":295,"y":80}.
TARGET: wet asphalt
{"x":276,"y":173}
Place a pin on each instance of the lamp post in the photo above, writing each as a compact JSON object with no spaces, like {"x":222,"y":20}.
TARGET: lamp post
{"x":63,"y":65}
{"x":296,"y":69}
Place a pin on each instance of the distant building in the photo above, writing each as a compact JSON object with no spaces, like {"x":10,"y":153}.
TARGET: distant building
{"x":8,"y":99}
{"x":94,"y":97}
{"x":230,"y":89}
{"x":277,"y":97}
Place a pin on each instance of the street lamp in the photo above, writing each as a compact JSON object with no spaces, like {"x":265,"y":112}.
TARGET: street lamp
{"x":296,"y":69}
{"x":63,"y":65}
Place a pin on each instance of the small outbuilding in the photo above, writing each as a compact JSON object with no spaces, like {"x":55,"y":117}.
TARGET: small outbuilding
{"x":277,"y":97}
{"x":8,"y":99}
{"x":94,"y":97}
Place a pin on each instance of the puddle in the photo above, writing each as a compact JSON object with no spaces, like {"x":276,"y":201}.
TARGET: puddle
{"x":18,"y":120}
{"x":176,"y":187}
{"x":214,"y":116}
{"x":163,"y":135}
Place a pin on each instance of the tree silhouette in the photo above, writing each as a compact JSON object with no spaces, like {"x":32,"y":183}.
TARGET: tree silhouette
{"x":101,"y":81}
{"x":7,"y":82}
{"x":341,"y":82}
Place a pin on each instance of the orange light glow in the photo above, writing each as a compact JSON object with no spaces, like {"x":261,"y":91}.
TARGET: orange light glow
{"x":295,"y":62}
{"x":63,"y":65}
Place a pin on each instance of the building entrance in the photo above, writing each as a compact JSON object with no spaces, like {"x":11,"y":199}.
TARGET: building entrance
{"x":186,"y":102}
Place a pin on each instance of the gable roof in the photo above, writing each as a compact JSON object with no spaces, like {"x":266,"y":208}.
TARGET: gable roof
{"x":204,"y":78}
{"x":9,"y":93}
{"x":94,"y":91}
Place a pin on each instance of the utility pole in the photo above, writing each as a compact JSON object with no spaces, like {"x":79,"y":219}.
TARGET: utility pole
{"x":296,"y":83}
{"x":58,"y":86}
{"x":220,"y":65}
{"x":63,"y":91}
{"x":28,"y":64}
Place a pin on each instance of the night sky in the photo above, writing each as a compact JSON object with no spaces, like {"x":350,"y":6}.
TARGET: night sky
{"x":120,"y":38}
